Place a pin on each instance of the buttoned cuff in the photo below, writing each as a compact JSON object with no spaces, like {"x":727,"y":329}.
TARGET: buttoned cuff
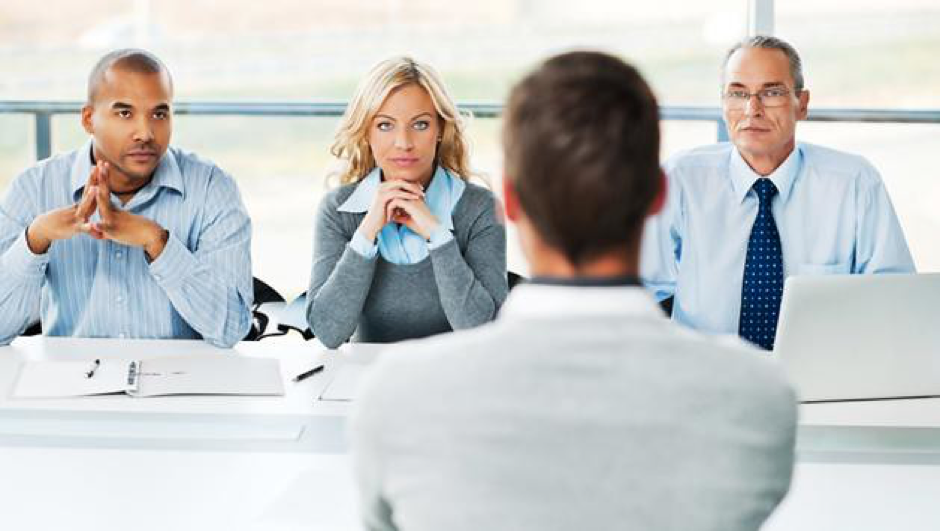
{"x":22,"y":262}
{"x":440,"y":237}
{"x":362,"y":246}
{"x":173,"y":264}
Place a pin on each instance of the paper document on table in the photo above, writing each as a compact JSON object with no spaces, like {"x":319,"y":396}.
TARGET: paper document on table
{"x":224,"y":374}
{"x":70,"y":378}
{"x":210,"y":375}
{"x":344,"y":384}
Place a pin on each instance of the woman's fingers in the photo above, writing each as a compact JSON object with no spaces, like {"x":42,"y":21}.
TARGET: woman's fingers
{"x":414,"y":188}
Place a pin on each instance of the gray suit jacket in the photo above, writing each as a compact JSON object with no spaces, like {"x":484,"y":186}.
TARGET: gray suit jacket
{"x":578,"y":409}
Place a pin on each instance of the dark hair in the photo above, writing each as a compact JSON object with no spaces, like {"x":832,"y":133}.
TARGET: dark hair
{"x":770,"y":43}
{"x":129,"y":60}
{"x":581,"y":139}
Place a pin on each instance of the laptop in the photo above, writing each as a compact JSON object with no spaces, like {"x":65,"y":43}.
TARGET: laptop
{"x":861,"y":337}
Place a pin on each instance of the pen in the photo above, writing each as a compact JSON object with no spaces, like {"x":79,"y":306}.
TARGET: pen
{"x":94,"y":367}
{"x":308,"y":374}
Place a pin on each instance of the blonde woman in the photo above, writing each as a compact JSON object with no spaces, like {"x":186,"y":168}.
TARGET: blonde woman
{"x":406,"y":247}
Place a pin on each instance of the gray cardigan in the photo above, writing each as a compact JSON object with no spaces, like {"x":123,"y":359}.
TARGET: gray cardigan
{"x":460,"y":285}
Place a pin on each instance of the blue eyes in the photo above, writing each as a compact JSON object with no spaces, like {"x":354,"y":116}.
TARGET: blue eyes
{"x":420,"y":125}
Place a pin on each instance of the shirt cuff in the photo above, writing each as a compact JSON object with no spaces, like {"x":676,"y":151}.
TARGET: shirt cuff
{"x":23,"y":262}
{"x":362,"y":246}
{"x":440,"y":237}
{"x":173,"y":264}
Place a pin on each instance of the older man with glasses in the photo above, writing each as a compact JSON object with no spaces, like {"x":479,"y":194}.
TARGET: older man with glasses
{"x":744,"y":215}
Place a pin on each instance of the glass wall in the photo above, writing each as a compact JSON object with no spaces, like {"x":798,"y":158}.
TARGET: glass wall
{"x":871,"y":54}
{"x":861,"y":54}
{"x":318,"y":50}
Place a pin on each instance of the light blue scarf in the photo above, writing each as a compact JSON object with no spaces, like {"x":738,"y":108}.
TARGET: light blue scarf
{"x":397,"y":243}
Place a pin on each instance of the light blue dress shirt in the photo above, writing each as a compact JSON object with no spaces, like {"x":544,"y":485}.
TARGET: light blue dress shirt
{"x":199,"y":286}
{"x":832,"y":211}
{"x":397,"y":243}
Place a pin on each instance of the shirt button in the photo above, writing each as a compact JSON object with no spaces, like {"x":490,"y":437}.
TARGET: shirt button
{"x":158,"y":277}
{"x":120,"y":336}
{"x":119,"y":299}
{"x":119,"y":254}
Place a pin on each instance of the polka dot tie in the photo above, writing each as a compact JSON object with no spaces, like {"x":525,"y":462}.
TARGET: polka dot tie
{"x":763,"y":274}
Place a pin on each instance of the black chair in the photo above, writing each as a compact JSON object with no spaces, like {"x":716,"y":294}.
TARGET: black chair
{"x":264,"y":293}
{"x":514,"y":279}
{"x":34,"y":329}
{"x":666,"y":305}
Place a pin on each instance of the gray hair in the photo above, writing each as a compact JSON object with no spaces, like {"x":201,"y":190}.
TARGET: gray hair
{"x":127,"y":59}
{"x":771,"y":43}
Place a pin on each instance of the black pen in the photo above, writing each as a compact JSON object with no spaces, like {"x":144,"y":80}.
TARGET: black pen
{"x":308,"y":374}
{"x":94,"y":367}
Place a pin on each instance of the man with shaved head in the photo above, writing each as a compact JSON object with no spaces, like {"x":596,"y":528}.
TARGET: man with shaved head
{"x":126,"y":237}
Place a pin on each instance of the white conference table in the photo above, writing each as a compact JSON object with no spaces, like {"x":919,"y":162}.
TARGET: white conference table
{"x":280,"y":463}
{"x":177,"y":462}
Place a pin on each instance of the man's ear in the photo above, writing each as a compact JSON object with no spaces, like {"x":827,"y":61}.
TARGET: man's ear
{"x":804,"y":105}
{"x":513,"y":210}
{"x":87,"y":111}
{"x":660,"y":200}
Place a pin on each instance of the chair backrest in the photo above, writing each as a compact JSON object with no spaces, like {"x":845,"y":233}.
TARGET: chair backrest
{"x":666,"y":305}
{"x":263,"y":294}
{"x":514,"y":279}
{"x":34,"y":329}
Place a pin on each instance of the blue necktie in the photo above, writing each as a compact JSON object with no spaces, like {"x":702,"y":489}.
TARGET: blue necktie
{"x":763,"y":274}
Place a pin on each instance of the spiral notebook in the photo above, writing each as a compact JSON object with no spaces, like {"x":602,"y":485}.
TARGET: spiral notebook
{"x":224,"y":374}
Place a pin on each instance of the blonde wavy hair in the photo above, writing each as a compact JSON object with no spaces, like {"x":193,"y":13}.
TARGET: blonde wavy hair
{"x":352,"y":136}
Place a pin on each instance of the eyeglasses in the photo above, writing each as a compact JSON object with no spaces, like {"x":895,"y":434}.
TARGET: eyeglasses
{"x":769,"y":97}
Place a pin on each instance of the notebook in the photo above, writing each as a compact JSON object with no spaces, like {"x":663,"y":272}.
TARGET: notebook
{"x":224,"y":374}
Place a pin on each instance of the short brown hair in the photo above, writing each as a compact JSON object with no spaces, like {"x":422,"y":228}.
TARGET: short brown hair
{"x":581,"y":139}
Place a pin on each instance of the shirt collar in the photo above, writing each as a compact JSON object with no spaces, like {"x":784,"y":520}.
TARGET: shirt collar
{"x":441,"y":195}
{"x":743,"y":177}
{"x":542,"y":300}
{"x":588,"y":282}
{"x":361,"y":198}
{"x":167,"y":174}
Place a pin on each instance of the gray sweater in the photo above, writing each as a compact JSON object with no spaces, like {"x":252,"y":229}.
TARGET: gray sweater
{"x":461,"y":284}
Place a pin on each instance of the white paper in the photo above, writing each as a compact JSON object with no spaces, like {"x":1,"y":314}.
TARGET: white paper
{"x":344,"y":384}
{"x":54,"y":379}
{"x":224,"y":374}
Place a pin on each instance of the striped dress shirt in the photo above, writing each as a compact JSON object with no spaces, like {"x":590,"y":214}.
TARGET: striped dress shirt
{"x":199,"y":287}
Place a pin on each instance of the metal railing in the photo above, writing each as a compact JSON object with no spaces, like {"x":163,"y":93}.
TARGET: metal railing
{"x":44,"y":110}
